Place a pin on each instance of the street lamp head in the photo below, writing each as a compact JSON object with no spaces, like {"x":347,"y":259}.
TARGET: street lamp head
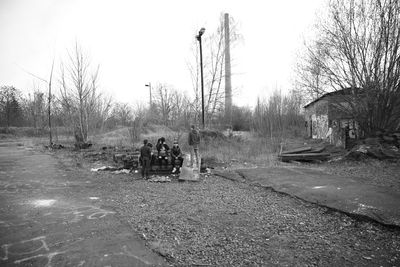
{"x":201,"y":32}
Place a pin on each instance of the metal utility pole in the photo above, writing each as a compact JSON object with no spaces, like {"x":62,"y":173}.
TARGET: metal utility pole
{"x":149,"y":85}
{"x":228,"y":86}
{"x":49,"y":104}
{"x":198,"y":37}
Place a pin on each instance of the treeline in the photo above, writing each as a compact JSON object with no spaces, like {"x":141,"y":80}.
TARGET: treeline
{"x":279,"y":114}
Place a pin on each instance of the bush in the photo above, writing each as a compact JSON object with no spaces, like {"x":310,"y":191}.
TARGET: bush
{"x":241,"y":118}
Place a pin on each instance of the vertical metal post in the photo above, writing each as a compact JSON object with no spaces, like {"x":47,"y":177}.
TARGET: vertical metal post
{"x":202,"y":84}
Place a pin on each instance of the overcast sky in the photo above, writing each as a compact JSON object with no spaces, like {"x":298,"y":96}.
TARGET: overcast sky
{"x":136,"y":42}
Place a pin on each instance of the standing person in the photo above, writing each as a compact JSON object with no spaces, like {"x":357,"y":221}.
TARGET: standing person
{"x":145,"y":155}
{"x":153,"y":156}
{"x":176,"y":154}
{"x":194,"y":141}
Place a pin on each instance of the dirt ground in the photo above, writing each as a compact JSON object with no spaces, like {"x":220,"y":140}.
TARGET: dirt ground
{"x":221,"y":222}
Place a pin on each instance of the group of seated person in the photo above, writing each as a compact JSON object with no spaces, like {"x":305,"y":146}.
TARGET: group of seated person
{"x":164,"y":154}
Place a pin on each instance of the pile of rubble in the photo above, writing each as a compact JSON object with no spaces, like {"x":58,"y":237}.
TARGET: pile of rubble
{"x":382,"y":147}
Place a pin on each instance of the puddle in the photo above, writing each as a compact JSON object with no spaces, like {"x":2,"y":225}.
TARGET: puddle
{"x":319,"y":187}
{"x":43,"y":202}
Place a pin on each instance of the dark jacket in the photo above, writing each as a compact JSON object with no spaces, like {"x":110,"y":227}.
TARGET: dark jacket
{"x":145,"y":152}
{"x":160,"y":147}
{"x":176,"y":151}
{"x":194,"y":137}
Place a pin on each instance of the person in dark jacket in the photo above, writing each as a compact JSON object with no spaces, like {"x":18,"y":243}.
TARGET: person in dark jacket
{"x":153,"y":156}
{"x":163,"y":150}
{"x":194,"y":141}
{"x":176,"y":154}
{"x":145,"y":156}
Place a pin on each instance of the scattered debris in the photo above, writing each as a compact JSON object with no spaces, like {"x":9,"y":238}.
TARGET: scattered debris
{"x":159,"y":179}
{"x":129,"y":159}
{"x":373,"y":150}
{"x":54,"y":146}
{"x":82,"y":145}
{"x":95,"y":156}
{"x":105,"y":168}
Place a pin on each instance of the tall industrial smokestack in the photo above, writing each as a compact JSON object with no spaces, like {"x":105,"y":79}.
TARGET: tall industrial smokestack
{"x":228,"y":86}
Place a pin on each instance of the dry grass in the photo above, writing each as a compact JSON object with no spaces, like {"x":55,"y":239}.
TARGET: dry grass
{"x":244,"y":147}
{"x":241,"y":148}
{"x":119,"y":137}
{"x":122,"y":138}
{"x":256,"y":150}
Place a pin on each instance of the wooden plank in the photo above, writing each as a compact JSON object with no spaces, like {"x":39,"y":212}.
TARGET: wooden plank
{"x":318,"y":150}
{"x":297,"y":150}
{"x":305,"y":156}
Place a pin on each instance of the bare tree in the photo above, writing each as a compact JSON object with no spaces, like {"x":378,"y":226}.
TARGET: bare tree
{"x":309,"y":76}
{"x":49,"y":99}
{"x":163,"y":102}
{"x":358,"y":51}
{"x":123,"y":114}
{"x":36,"y":107}
{"x":279,"y":115}
{"x":79,"y":95}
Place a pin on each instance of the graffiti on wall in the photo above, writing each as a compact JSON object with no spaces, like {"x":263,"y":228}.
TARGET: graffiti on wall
{"x":320,"y":126}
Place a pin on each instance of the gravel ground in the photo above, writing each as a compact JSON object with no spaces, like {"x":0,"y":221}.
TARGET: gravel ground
{"x":221,"y":222}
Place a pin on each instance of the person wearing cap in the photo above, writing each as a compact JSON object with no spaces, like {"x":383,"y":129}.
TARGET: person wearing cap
{"x":145,"y":156}
{"x":194,"y":141}
{"x":176,"y":154}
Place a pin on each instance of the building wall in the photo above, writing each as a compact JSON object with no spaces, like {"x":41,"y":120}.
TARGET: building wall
{"x":317,"y":120}
{"x":325,"y":122}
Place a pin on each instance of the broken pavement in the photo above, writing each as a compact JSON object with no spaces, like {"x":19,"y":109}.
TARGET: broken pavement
{"x":351,"y":196}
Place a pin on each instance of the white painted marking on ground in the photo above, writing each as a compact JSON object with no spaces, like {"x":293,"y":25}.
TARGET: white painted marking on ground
{"x":93,"y":198}
{"x":363,"y":206}
{"x":43,"y":202}
{"x":319,"y":187}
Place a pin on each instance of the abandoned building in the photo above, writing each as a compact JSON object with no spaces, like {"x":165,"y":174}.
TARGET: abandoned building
{"x":324,"y":121}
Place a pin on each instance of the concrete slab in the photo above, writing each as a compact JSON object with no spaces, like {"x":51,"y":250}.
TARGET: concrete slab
{"x":51,"y":217}
{"x":349,"y":195}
